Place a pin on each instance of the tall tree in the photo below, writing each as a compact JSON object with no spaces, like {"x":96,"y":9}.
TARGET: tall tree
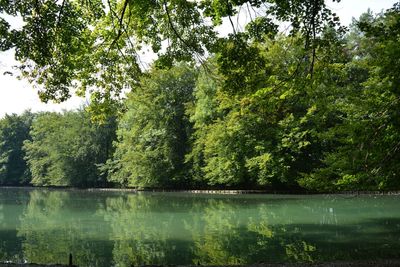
{"x":250,"y":122}
{"x":154,"y":133}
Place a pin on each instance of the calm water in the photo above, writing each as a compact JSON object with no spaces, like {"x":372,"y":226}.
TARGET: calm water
{"x":121,"y":229}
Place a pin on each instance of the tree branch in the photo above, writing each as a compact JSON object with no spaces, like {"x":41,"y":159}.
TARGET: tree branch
{"x":172,"y":25}
{"x":120,"y":22}
{"x":60,"y":14}
{"x":177,"y":33}
{"x":230,"y":20}
{"x":313,"y":31}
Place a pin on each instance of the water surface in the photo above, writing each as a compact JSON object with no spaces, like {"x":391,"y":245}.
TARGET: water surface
{"x":124,"y":229}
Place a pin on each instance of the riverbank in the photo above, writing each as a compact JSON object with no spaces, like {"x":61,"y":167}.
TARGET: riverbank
{"x":380,"y":263}
{"x":207,"y":191}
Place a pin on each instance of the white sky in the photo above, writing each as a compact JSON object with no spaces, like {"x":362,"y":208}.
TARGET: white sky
{"x":18,"y":95}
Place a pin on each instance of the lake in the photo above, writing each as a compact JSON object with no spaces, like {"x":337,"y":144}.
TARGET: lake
{"x":124,"y":229}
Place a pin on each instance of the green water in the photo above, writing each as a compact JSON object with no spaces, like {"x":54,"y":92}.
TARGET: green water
{"x":124,"y":229}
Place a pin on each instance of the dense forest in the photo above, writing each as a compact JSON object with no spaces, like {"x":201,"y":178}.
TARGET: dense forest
{"x":314,"y":109}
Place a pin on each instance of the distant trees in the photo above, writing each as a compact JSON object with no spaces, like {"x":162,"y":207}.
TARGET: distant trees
{"x":14,"y":130}
{"x":54,"y":149}
{"x":66,"y":148}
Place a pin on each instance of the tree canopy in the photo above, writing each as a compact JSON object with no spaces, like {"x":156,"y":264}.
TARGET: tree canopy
{"x":78,"y":46}
{"x":316,"y":109}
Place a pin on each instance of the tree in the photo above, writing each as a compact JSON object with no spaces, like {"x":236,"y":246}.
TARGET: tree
{"x":153,"y":134}
{"x":251,"y":121}
{"x":66,"y":149}
{"x":14,"y":130}
{"x":202,"y":113}
{"x":361,"y":137}
{"x":314,"y":109}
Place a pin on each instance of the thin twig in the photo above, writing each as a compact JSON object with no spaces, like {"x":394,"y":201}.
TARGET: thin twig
{"x":248,"y":10}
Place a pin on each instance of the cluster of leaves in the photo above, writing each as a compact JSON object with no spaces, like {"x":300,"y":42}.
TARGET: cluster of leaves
{"x":365,"y":143}
{"x":93,"y":46}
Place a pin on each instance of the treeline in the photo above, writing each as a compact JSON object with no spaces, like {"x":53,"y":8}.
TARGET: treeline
{"x":272,"y":116}
{"x":54,"y":149}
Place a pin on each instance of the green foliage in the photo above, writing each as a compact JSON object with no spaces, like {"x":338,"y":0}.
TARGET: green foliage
{"x":316,"y":109}
{"x":66,"y":148}
{"x":153,"y":134}
{"x":14,"y":130}
{"x":253,"y":133}
{"x":93,"y":46}
{"x":363,"y":134}
{"x":275,"y":122}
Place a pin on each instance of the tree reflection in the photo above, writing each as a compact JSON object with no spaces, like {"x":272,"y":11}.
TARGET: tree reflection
{"x":51,"y":230}
{"x":11,"y":206}
{"x":144,"y":231}
{"x":215,"y":228}
{"x":9,"y":245}
{"x":225,"y":233}
{"x":161,"y":229}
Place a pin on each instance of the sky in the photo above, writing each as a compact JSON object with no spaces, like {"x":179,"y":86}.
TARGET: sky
{"x":18,"y":95}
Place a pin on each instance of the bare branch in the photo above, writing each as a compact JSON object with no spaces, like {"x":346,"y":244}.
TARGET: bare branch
{"x":313,"y":29}
{"x":230,"y":20}
{"x":248,"y":10}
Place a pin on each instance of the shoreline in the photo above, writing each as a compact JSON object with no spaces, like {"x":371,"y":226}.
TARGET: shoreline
{"x":355,"y":263}
{"x":206,"y":191}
